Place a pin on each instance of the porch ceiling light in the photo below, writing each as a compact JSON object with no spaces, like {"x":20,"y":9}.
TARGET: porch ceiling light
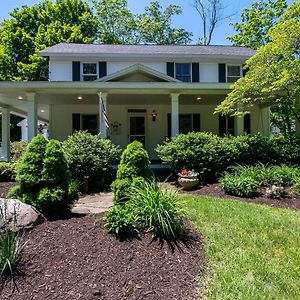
{"x":79,"y":98}
{"x":20,"y":98}
{"x":42,"y":110}
{"x":199,"y":98}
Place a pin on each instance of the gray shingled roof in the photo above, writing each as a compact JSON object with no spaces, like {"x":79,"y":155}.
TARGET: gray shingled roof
{"x":75,"y":49}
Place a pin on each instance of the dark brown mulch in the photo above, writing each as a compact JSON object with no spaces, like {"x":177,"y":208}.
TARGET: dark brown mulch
{"x":5,"y":187}
{"x":73,"y":259}
{"x":216,"y":191}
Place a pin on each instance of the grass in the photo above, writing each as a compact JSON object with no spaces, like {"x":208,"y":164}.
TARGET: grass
{"x":252,"y":250}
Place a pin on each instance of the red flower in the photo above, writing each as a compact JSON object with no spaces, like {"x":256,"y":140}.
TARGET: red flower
{"x":185,"y":172}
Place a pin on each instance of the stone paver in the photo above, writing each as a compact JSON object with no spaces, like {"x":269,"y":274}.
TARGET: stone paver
{"x":93,"y":204}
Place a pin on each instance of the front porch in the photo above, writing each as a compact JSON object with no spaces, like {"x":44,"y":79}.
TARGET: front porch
{"x":149,"y":111}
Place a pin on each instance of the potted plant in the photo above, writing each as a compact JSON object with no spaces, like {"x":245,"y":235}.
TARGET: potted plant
{"x":188,"y":179}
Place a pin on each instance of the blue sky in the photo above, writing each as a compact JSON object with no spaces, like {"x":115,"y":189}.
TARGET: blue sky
{"x":188,"y":20}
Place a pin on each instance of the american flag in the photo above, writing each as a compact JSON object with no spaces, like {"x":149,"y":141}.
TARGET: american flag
{"x":104,"y":115}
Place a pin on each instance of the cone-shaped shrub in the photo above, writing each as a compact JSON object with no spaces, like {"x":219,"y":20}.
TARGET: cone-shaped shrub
{"x":44,"y":179}
{"x":30,"y":167}
{"x":134,"y":167}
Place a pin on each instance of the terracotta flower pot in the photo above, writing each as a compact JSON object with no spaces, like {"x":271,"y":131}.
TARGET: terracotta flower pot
{"x":188,"y":182}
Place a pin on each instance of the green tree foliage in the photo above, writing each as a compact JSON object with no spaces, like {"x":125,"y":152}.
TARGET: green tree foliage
{"x":151,"y":27}
{"x":31,"y":29}
{"x":274,"y":72}
{"x":257,"y":20}
{"x":44,"y":178}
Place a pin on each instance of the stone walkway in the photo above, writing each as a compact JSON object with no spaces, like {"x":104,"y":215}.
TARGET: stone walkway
{"x":93,"y":204}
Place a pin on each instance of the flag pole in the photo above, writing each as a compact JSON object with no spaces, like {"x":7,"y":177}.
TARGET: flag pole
{"x":100,"y":112}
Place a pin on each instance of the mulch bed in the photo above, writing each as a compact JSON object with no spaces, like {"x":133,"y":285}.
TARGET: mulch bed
{"x":75,"y":259}
{"x":215,"y":190}
{"x":5,"y":187}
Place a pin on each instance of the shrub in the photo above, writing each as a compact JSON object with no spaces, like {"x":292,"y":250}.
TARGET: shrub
{"x":157,"y":211}
{"x":50,"y":191}
{"x":90,"y":155}
{"x":17,"y":149}
{"x":133,"y":169}
{"x":241,"y":186}
{"x":120,"y":220}
{"x":209,"y":154}
{"x":7,"y":171}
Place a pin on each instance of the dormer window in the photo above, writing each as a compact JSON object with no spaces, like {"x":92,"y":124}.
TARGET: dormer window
{"x":234,"y":72}
{"x":183,"y":72}
{"x":89,"y":71}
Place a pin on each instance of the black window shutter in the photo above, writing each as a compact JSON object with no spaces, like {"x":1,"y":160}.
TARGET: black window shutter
{"x":195,"y":72}
{"x":196,"y":122}
{"x":222,"y":73}
{"x":75,"y":122}
{"x":222,"y":125}
{"x":169,"y":125}
{"x":76,"y":70}
{"x":247,"y":123}
{"x":102,"y":69}
{"x":245,"y":71}
{"x":170,"y":69}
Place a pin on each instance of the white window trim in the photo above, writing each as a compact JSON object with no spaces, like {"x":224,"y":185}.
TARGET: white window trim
{"x":184,"y":64}
{"x":81,"y":69}
{"x":234,"y":65}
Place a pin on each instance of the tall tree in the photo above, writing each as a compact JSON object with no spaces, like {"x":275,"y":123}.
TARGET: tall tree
{"x":31,"y":29}
{"x":256,"y":21}
{"x":274,"y":74}
{"x":155,"y":27}
{"x":211,"y":12}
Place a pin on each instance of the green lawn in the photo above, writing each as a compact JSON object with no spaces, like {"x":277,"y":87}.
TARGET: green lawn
{"x":253,"y":251}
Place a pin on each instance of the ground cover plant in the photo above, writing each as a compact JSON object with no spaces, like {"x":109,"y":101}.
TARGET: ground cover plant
{"x":7,"y":171}
{"x":279,"y":181}
{"x":210,"y":154}
{"x":92,"y":156}
{"x":43,"y":178}
{"x":252,"y":250}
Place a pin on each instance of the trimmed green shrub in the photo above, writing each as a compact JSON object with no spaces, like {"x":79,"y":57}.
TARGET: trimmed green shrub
{"x":241,"y":186}
{"x":90,"y":155}
{"x":120,"y":220}
{"x":157,"y":211}
{"x":209,"y":154}
{"x":17,"y":149}
{"x":7,"y":171}
{"x":50,"y":190}
{"x":134,"y":167}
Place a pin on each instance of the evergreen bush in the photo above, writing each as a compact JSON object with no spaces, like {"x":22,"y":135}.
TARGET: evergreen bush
{"x":44,"y":179}
{"x":92,"y":156}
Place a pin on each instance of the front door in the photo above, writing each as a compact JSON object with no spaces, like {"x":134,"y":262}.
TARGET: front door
{"x":137,"y":128}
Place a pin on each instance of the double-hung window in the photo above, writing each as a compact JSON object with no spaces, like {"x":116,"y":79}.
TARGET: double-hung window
{"x":89,"y":71}
{"x":183,"y":72}
{"x":234,"y":72}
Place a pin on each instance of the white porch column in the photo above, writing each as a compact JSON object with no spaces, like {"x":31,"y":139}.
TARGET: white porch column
{"x":31,"y":116}
{"x":5,"y":122}
{"x":102,"y":129}
{"x":265,"y":121}
{"x":297,"y":122}
{"x":174,"y":114}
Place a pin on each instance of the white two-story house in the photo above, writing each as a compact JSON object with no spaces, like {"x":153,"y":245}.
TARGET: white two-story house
{"x":149,"y":93}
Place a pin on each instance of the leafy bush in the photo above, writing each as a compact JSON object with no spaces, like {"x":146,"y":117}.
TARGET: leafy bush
{"x":120,"y":220}
{"x":90,"y":155}
{"x":157,"y":211}
{"x":44,"y":179}
{"x":209,"y":154}
{"x":134,"y":167}
{"x":7,"y":171}
{"x":241,"y":186}
{"x":17,"y":149}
